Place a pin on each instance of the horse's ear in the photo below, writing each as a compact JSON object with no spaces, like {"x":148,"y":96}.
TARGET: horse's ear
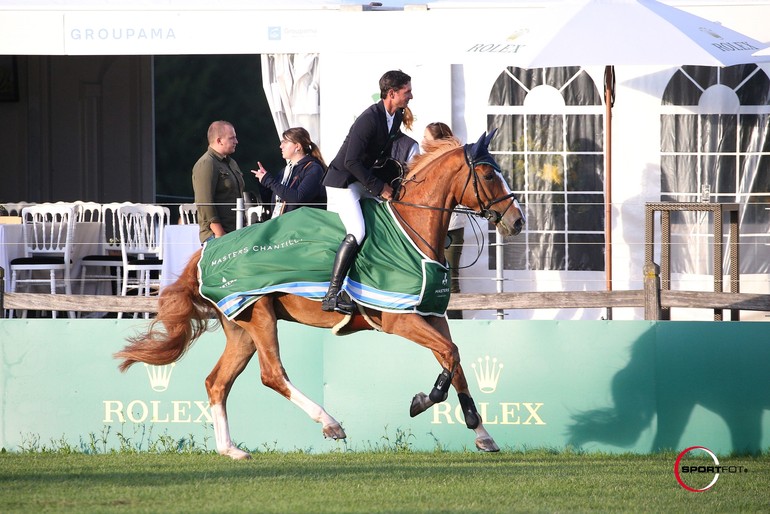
{"x":481,"y":147}
{"x":489,"y":137}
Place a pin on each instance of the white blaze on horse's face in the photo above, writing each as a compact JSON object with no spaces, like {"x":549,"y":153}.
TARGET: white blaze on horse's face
{"x":513,"y":218}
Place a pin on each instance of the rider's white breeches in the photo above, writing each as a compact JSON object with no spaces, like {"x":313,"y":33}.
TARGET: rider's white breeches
{"x":344,"y":201}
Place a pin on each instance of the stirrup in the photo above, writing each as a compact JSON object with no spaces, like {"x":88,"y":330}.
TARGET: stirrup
{"x":339,"y":302}
{"x":343,"y":303}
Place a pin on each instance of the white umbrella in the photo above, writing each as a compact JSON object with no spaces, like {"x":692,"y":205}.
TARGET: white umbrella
{"x":612,"y":32}
{"x":608,"y":33}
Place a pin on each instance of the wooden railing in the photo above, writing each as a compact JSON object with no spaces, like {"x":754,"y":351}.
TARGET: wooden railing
{"x":651,"y":298}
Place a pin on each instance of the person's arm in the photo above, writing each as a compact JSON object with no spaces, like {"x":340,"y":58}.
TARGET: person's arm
{"x":204,"y":184}
{"x":364,"y":131}
{"x":304,"y":187}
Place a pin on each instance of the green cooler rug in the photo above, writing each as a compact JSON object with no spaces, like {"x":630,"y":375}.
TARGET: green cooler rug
{"x":294,"y":254}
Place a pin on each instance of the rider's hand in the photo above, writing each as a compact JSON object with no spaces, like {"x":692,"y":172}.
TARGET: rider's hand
{"x":387,"y":192}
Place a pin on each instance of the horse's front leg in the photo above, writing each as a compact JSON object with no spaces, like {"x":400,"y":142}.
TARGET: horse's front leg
{"x":422,"y":402}
{"x":238,"y":352}
{"x":263,"y":328}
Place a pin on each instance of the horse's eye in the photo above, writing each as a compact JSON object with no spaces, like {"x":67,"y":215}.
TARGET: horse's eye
{"x":489,"y":176}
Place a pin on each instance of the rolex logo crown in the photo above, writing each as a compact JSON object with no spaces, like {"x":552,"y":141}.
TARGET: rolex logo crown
{"x":487,"y":373}
{"x":159,"y":376}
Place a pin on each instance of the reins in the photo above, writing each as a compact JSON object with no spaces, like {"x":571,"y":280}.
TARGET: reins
{"x":485,"y":212}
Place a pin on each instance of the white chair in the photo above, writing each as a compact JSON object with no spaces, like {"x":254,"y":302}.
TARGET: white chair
{"x":108,"y":263}
{"x":14,"y":208}
{"x":48,"y":237}
{"x":141,"y":245}
{"x":188,"y":212}
{"x":255,"y":214}
{"x":87,"y":211}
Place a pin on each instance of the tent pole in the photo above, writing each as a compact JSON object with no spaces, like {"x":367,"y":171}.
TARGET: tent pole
{"x":609,"y":100}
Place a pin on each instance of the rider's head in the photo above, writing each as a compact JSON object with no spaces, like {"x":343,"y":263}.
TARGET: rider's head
{"x":395,"y":80}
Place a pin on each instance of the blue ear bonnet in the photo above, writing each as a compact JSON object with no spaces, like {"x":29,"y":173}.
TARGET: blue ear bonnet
{"x":478,"y":152}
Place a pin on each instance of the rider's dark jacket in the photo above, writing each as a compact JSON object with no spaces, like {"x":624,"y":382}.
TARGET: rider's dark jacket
{"x":367,"y":141}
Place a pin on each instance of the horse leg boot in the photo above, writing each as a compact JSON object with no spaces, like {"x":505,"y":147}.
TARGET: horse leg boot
{"x":333,"y":301}
{"x":422,"y":402}
{"x":441,"y":387}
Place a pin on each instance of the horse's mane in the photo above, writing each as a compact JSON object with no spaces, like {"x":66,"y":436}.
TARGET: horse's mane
{"x":433,"y":150}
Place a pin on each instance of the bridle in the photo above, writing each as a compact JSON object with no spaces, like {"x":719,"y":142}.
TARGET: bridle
{"x":485,"y":210}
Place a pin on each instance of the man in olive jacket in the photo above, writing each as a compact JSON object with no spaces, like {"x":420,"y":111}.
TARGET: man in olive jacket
{"x":217,"y":182}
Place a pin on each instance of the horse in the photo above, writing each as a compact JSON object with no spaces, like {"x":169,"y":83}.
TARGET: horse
{"x":447,"y":175}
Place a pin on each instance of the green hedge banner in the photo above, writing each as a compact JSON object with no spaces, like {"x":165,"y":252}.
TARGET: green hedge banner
{"x":613,"y":386}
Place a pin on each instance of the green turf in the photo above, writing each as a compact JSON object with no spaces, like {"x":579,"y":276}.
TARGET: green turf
{"x":392,"y":482}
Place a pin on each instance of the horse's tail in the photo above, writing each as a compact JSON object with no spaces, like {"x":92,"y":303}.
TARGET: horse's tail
{"x":184,"y":314}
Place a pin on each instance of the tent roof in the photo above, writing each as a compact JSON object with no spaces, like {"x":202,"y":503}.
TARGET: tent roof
{"x":162,"y":27}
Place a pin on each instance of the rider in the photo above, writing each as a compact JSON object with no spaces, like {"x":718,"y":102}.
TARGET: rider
{"x":350,"y":176}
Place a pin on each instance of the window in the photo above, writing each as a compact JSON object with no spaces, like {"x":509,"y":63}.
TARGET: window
{"x":714,"y":133}
{"x":551,"y":133}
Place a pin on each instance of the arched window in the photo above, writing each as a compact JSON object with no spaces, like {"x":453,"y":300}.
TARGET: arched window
{"x":714,"y":140}
{"x":551,"y":133}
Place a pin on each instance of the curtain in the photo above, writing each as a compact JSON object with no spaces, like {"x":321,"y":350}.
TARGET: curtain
{"x":291,"y":84}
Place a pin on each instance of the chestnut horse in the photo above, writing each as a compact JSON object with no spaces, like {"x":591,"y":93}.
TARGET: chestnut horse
{"x":447,"y":176}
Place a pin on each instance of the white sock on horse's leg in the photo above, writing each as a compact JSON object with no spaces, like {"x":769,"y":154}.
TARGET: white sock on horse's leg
{"x":316,"y":412}
{"x":225,"y":445}
{"x":484,"y":441}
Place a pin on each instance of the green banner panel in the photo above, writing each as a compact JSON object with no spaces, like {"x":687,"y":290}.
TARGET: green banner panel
{"x":614,"y":386}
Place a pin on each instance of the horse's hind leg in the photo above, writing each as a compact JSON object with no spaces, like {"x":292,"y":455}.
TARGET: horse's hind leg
{"x":238,"y":352}
{"x":262,"y":326}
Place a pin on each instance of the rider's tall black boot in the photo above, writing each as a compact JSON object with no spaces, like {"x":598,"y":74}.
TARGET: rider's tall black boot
{"x":333,"y":301}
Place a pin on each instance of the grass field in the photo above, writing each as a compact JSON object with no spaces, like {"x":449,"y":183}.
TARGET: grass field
{"x":371,"y":482}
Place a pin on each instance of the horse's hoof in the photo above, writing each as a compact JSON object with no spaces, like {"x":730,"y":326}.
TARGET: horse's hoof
{"x":420,"y":403}
{"x":487,"y":444}
{"x":235,"y":453}
{"x":334,"y":432}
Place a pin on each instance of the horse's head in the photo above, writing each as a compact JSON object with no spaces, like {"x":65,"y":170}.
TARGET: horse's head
{"x":487,"y":191}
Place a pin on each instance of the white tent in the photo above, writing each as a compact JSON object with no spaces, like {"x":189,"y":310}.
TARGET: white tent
{"x":355,"y":44}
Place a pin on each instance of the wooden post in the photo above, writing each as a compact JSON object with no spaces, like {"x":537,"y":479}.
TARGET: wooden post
{"x":652,"y":309}
{"x":2,"y":293}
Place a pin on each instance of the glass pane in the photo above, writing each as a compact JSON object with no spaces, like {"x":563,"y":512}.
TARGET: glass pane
{"x":586,"y":213}
{"x":755,"y":129}
{"x":585,"y":133}
{"x":580,"y":91}
{"x":680,"y":90}
{"x":704,"y":76}
{"x":545,"y":172}
{"x":509,"y":129}
{"x":586,"y":252}
{"x":585,"y":172}
{"x":733,"y":76}
{"x":512,"y":167}
{"x":506,"y":91}
{"x":678,"y":133}
{"x":547,"y":251}
{"x":545,"y":133}
{"x":718,"y":132}
{"x":514,"y":252}
{"x":755,"y":90}
{"x":760,"y":179}
{"x":720,"y":172}
{"x":546,"y":212}
{"x":679,"y":174}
